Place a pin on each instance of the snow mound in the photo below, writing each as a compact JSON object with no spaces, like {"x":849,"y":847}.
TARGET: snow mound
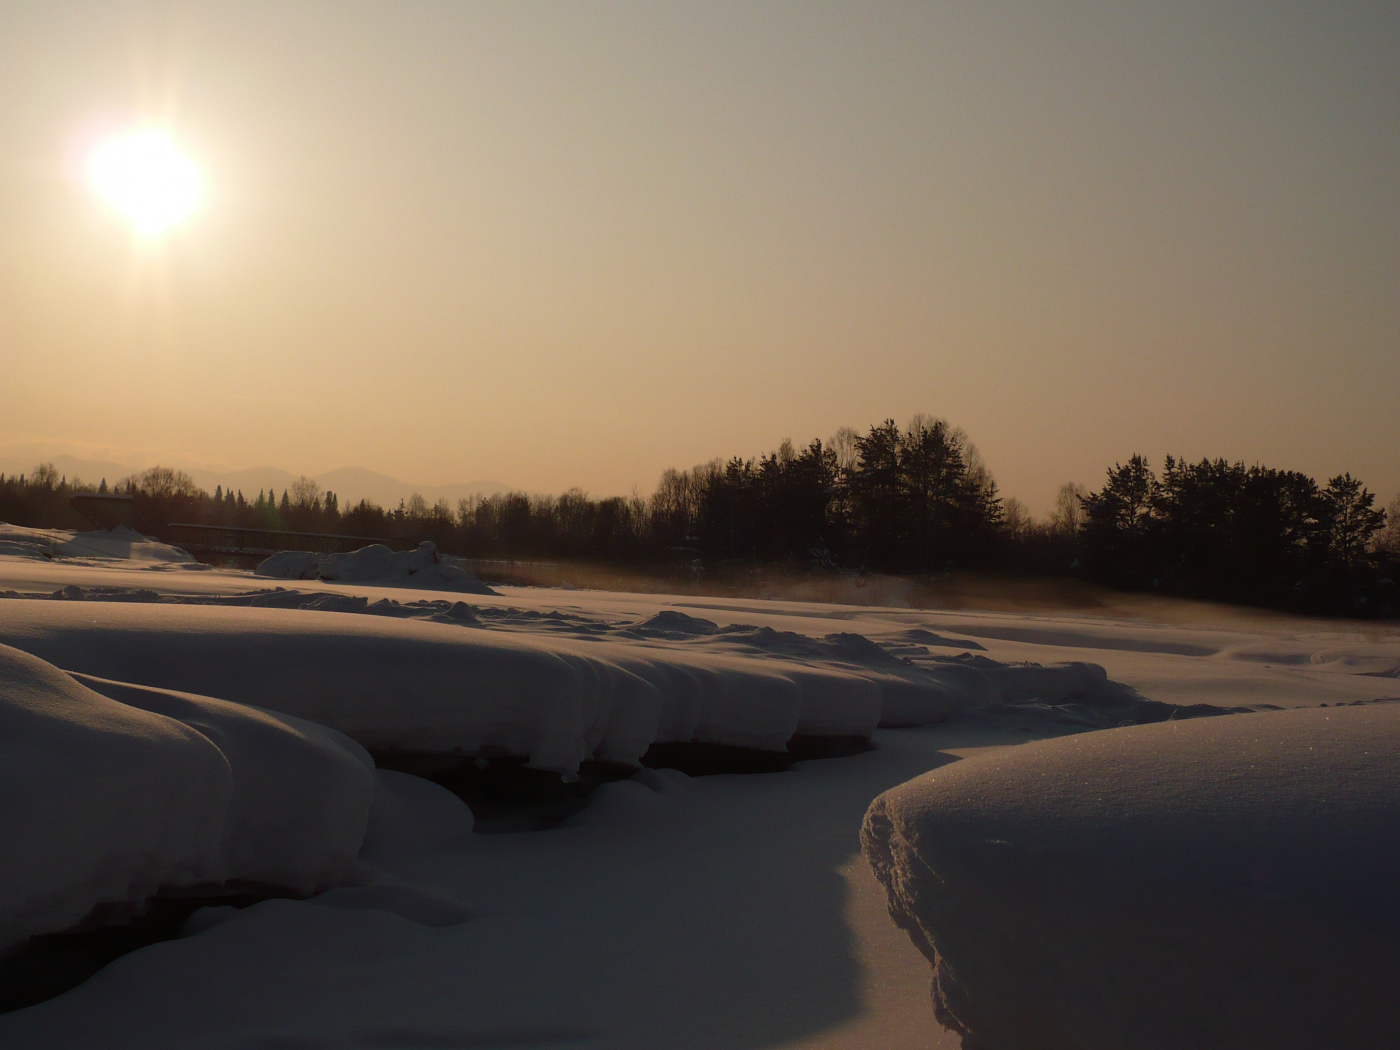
{"x":412,"y":815}
{"x":650,"y":798}
{"x":106,"y":800}
{"x":301,"y":792}
{"x":1073,"y":693}
{"x":290,"y":565}
{"x":117,"y":544}
{"x":669,"y":623}
{"x":376,"y":565}
{"x":1226,"y":882}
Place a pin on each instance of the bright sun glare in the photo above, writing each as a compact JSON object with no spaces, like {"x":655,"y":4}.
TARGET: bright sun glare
{"x":146,"y":178}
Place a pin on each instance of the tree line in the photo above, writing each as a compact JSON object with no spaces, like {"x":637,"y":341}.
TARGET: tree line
{"x":916,"y":499}
{"x":1239,"y":533}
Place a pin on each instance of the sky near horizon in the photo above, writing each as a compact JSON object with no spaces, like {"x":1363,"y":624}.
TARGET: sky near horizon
{"x":575,"y":244}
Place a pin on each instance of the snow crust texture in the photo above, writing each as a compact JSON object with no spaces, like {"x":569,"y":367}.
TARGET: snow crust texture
{"x":1226,"y":882}
{"x":376,"y":565}
{"x":111,"y":793}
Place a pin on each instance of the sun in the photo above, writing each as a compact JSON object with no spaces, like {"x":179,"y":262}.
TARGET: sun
{"x":145,"y":177}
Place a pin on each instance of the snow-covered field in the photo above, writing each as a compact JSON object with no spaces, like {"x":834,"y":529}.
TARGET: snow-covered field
{"x":716,"y":911}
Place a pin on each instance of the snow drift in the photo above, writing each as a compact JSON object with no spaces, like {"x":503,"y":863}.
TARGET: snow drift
{"x":440,"y":683}
{"x":111,"y":793}
{"x":441,"y":688}
{"x":119,"y":544}
{"x":1226,"y":882}
{"x":377,"y":565}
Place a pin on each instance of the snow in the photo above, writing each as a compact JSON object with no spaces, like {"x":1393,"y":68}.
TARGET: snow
{"x":119,"y":544}
{"x":301,"y":792}
{"x":712,"y":915}
{"x":423,"y":568}
{"x":290,"y":565}
{"x":426,"y":686}
{"x":1228,"y":881}
{"x":1204,"y":655}
{"x":710,"y":912}
{"x":431,"y":679}
{"x":411,"y":815}
{"x":103,"y":803}
{"x":111,"y":793}
{"x":390,"y":684}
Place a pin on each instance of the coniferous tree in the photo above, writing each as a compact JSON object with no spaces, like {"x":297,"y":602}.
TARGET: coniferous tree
{"x":1352,"y":520}
{"x":875,"y":486}
{"x":1117,"y":522}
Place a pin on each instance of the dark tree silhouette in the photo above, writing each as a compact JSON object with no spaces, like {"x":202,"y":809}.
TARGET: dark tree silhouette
{"x":907,"y":500}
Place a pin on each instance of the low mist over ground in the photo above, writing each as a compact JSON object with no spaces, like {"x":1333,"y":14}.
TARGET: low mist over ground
{"x":966,"y":591}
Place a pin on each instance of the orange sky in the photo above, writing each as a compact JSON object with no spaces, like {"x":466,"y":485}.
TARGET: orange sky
{"x":564,"y":245}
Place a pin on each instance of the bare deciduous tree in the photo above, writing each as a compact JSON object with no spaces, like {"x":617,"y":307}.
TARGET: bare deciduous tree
{"x":305,"y":493}
{"x":163,"y":483}
{"x":44,"y":476}
{"x":1068,"y":515}
{"x":1016,"y":517}
{"x":1387,"y":541}
{"x":843,"y":445}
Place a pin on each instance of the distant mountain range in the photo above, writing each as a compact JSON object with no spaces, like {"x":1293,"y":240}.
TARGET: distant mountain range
{"x":350,"y":484}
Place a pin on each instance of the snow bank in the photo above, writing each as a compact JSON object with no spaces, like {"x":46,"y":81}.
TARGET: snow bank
{"x":117,"y":544}
{"x":442,"y":688}
{"x":389,"y":684}
{"x":107,"y":799}
{"x":377,"y":565}
{"x":1226,"y":882}
{"x":422,"y":680}
{"x":290,"y":565}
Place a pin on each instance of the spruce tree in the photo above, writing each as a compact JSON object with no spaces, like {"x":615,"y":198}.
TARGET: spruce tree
{"x":1352,"y":519}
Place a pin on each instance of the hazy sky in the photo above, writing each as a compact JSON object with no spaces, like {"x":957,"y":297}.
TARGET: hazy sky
{"x":573,"y":244}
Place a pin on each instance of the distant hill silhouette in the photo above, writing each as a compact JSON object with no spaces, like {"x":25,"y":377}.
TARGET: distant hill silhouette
{"x":350,"y":484}
{"x":93,"y":470}
{"x":353,"y":484}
